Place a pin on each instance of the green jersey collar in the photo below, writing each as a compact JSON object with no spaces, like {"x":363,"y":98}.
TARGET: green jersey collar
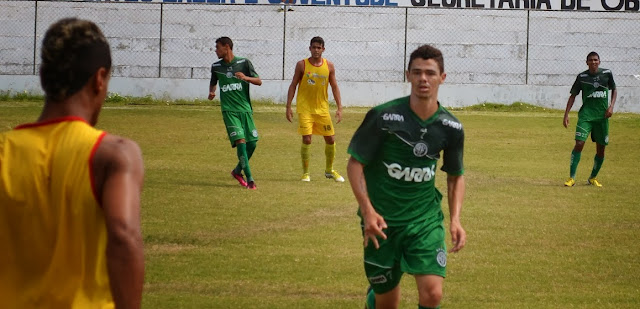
{"x":428,"y":120}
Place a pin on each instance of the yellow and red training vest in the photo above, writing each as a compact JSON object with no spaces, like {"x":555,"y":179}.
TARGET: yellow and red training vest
{"x":53,"y":236}
{"x":312,"y":93}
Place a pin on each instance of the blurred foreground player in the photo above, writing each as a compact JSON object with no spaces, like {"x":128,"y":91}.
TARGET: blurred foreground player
{"x":70,"y":194}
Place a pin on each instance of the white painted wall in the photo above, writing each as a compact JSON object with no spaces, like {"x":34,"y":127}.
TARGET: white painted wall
{"x":353,"y":93}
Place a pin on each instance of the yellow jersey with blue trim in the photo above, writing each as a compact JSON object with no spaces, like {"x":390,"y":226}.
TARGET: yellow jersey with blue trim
{"x":313,"y":97}
{"x":53,"y":235}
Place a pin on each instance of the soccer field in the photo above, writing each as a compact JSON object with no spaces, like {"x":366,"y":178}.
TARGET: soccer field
{"x":532,"y":243}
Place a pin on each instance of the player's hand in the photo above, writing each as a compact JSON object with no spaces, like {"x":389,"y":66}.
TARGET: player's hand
{"x":458,"y":236}
{"x":211,"y":95}
{"x":565,"y":122}
{"x":338,"y":115}
{"x":608,"y":113}
{"x":373,"y":226}
{"x":289,"y":113}
{"x":241,"y":76}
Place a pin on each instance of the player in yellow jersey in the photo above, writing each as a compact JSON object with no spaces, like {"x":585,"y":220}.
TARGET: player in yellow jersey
{"x":70,"y":232}
{"x":312,"y":77}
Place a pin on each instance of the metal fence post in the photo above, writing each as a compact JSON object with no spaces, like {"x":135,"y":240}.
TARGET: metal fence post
{"x":526,"y":57}
{"x":406,"y":27}
{"x":35,"y":36}
{"x":160,"y":44}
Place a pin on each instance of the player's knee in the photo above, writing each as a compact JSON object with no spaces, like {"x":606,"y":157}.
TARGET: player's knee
{"x":306,"y":139}
{"x":430,"y":296}
{"x":330,"y":139}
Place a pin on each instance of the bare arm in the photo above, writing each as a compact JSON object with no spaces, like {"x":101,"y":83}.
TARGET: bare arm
{"x":614,"y":95}
{"x":118,"y":173}
{"x":373,"y":222}
{"x":570,"y":101}
{"x":335,"y":89}
{"x":249,"y":79}
{"x":212,"y":92}
{"x":455,"y":195}
{"x":297,"y":77}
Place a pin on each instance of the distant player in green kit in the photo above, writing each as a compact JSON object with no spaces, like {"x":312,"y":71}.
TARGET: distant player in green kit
{"x":593,"y":116}
{"x":235,"y":74}
{"x":394,"y":155}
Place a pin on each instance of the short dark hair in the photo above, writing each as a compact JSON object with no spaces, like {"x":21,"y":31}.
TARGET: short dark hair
{"x":72,"y":51}
{"x":225,"y":40}
{"x":317,"y":39}
{"x":593,"y":54}
{"x":427,"y":52}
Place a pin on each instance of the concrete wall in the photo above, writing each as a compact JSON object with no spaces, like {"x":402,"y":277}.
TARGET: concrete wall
{"x":353,"y":93}
{"x":490,"y":55}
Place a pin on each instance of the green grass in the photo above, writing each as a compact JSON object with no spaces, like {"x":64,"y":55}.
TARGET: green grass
{"x":531,"y":242}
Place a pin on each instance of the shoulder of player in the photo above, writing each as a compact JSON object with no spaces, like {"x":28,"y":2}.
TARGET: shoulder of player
{"x":394,"y":110}
{"x":392,"y":105}
{"x":447,"y":119}
{"x":605,"y":71}
{"x":118,"y":150}
{"x":241,"y":60}
{"x":329,"y":63}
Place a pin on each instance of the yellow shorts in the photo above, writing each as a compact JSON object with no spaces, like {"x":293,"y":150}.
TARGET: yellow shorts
{"x":318,"y":124}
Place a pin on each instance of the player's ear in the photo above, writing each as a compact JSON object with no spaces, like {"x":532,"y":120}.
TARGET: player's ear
{"x":443,"y":76}
{"x":100,"y":80}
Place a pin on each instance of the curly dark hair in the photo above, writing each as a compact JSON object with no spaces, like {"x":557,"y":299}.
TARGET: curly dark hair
{"x":72,"y":51}
{"x":427,"y":52}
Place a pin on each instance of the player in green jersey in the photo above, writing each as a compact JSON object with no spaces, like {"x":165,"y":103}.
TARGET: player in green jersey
{"x":394,"y":154}
{"x":235,"y":74}
{"x":593,"y":117}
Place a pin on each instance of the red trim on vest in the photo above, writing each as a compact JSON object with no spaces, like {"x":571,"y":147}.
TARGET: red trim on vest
{"x":91,"y":156}
{"x":50,"y":121}
{"x":317,"y":66}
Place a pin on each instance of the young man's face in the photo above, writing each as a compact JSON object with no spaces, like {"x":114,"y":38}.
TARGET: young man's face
{"x":316,"y":50}
{"x":425,"y":77}
{"x":221,"y":50}
{"x":593,"y":62}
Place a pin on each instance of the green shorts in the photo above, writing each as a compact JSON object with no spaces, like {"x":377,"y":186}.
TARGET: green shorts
{"x":417,"y":249}
{"x":240,"y":126}
{"x":599,"y":130}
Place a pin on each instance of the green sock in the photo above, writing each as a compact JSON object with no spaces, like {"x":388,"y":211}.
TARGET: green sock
{"x":371,"y":300}
{"x":422,"y":307}
{"x":330,"y":153}
{"x":305,"y":153}
{"x":243,"y":160}
{"x":251,"y":146}
{"x":597,"y":164}
{"x":575,"y":159}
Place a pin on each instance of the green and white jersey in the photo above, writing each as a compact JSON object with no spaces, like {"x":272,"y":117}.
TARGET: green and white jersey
{"x":400,"y":152}
{"x":595,"y":93}
{"x":234,"y":93}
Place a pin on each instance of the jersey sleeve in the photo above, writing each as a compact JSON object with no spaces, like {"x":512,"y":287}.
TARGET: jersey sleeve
{"x":214,"y":77}
{"x":453,"y":154}
{"x":368,"y":138}
{"x":575,"y":89}
{"x":252,"y":71}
